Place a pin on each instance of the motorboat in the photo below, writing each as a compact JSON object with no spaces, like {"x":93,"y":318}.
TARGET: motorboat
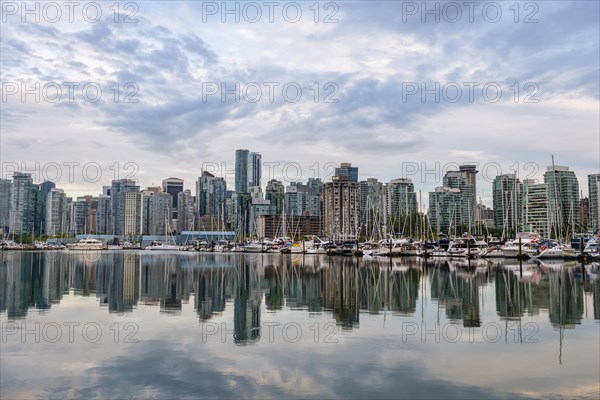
{"x":89,"y":243}
{"x":156,"y":245}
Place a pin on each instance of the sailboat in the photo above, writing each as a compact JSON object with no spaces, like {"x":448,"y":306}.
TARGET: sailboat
{"x":166,"y":246}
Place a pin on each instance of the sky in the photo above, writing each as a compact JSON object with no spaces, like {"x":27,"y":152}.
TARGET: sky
{"x":94,"y":91}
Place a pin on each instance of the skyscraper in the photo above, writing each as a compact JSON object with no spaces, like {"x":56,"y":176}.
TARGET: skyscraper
{"x":241,"y":170}
{"x":158,"y":213}
{"x":401,"y":199}
{"x":80,"y":223}
{"x":46,"y":186}
{"x":103,"y":215}
{"x":146,"y":215}
{"x":173,"y":186}
{"x":372,"y":206}
{"x":254,"y":170}
{"x":241,"y":204}
{"x":248,"y":170}
{"x":5,"y":196}
{"x":508,"y":204}
{"x":593,"y":187}
{"x":210,"y":195}
{"x":340,"y":207}
{"x":347,"y":170}
{"x":129,"y":207}
{"x":132,"y":212}
{"x":444,"y":210}
{"x":563,"y":191}
{"x":26,"y":206}
{"x":185,"y":213}
{"x":275,"y":194}
{"x":470,"y":174}
{"x":55,"y":212}
{"x":463,"y":180}
{"x":115,"y":189}
{"x":535,"y":207}
{"x":584,"y":213}
{"x":301,"y":199}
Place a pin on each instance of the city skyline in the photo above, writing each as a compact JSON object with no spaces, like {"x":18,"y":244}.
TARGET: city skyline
{"x":344,"y":205}
{"x":424,"y":179}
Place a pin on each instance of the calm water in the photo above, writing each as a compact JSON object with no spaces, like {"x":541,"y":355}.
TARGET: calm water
{"x":123,"y":325}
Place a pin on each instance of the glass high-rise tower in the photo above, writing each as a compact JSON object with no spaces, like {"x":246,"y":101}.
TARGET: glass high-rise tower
{"x":248,"y":170}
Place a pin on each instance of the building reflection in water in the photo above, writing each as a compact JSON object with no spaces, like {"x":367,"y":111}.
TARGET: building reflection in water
{"x":345,"y":287}
{"x":456,"y":287}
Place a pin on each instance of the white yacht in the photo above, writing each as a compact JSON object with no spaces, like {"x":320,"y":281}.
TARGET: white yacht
{"x":254,"y":247}
{"x":164,"y":246}
{"x":156,"y":245}
{"x":467,"y":246}
{"x":592,"y":248}
{"x":89,"y":243}
{"x":512,"y":249}
{"x":556,"y":252}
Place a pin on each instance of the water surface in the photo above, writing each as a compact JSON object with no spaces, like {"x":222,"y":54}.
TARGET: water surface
{"x":117,"y":324}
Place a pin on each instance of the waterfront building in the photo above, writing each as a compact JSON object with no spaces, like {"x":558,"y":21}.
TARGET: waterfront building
{"x":159,"y":213}
{"x":340,"y":207}
{"x":508,"y":204}
{"x":26,"y":206}
{"x":185,"y":213}
{"x":248,"y":170}
{"x":444,"y":210}
{"x":465,"y":181}
{"x":275,"y":194}
{"x":173,"y":186}
{"x":55,"y":212}
{"x":401,"y":200}
{"x":103,"y":215}
{"x":129,"y":208}
{"x":584,"y":213}
{"x":303,"y":199}
{"x":535,"y":207}
{"x":593,"y":187}
{"x":115,"y":189}
{"x":210,"y":197}
{"x":5,"y":198}
{"x":372,"y":205}
{"x":347,"y":170}
{"x":563,"y":200}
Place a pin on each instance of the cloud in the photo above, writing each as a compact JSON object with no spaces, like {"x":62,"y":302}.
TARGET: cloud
{"x":369,"y":56}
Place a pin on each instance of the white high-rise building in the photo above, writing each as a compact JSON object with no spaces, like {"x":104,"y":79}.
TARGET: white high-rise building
{"x":5,"y":194}
{"x":535,"y":207}
{"x":593,"y":187}
{"x":55,"y":212}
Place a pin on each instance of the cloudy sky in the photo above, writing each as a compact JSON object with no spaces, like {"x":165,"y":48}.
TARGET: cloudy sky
{"x":392,"y":87}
